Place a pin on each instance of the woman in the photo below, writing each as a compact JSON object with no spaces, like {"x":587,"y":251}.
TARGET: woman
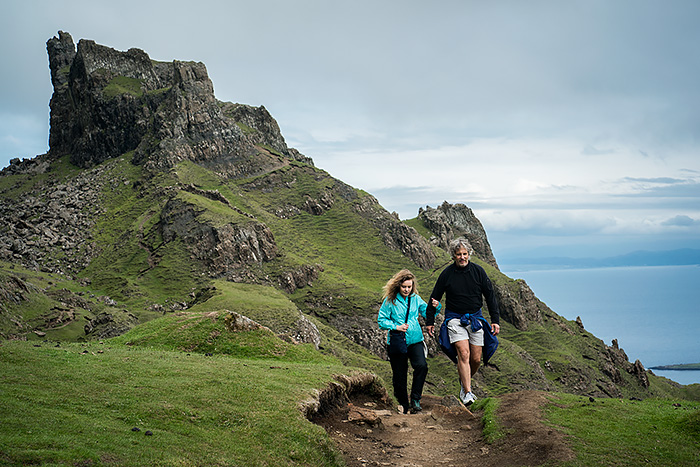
{"x":399,"y":311}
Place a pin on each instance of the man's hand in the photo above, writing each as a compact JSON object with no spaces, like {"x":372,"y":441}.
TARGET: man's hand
{"x":495,"y":329}
{"x":431,"y":330}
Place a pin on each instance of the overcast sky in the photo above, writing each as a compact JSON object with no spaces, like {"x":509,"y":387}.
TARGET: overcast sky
{"x":569,"y":127}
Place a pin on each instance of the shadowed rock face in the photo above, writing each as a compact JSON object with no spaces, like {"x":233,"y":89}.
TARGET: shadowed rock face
{"x":107,"y":103}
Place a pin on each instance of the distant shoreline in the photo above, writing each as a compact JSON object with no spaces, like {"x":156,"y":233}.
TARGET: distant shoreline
{"x":679,"y":257}
{"x":683,"y":367}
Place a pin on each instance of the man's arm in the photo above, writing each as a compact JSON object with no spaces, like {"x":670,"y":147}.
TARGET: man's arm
{"x":492,"y":305}
{"x":490,"y":296}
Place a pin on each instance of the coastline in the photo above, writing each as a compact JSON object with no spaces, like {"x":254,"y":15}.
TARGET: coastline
{"x":681,"y":367}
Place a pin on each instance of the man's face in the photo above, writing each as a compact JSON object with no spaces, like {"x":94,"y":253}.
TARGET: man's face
{"x":461,"y":257}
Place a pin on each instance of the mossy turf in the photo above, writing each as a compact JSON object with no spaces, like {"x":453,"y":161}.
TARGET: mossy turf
{"x":112,"y":404}
{"x":628,"y":432}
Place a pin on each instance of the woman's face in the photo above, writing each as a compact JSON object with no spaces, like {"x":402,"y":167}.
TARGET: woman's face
{"x":406,"y":287}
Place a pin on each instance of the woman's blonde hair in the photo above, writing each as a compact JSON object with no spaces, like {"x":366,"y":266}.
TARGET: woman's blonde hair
{"x":391,"y":289}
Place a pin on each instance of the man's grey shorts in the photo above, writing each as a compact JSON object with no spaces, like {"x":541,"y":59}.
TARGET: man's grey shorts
{"x":457,"y":332}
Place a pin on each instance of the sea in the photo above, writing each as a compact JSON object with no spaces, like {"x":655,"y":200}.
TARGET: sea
{"x":652,"y":311}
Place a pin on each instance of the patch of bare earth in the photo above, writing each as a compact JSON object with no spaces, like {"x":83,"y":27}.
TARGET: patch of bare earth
{"x":445,"y":433}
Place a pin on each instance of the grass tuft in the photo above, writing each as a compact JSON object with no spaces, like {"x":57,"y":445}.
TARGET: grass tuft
{"x":492,"y":429}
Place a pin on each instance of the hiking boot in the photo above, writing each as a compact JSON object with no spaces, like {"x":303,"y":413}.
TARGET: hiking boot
{"x":415,"y":406}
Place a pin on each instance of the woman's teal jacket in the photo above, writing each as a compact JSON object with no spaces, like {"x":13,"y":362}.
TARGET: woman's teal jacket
{"x":392,"y":315}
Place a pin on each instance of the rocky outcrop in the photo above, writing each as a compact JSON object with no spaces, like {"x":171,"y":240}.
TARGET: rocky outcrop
{"x":303,"y":276}
{"x":107,"y":103}
{"x":49,"y":228}
{"x":261,"y":129}
{"x":448,"y":222}
{"x":226,"y":250}
{"x":518,"y":305}
{"x":302,"y":332}
{"x":637,"y":370}
{"x":106,"y":325}
{"x":395,"y":234}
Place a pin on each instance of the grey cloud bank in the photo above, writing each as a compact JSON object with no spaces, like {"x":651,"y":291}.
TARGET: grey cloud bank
{"x":569,"y":127}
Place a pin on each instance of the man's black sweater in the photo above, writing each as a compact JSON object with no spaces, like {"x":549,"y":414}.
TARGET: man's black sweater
{"x":464,"y":287}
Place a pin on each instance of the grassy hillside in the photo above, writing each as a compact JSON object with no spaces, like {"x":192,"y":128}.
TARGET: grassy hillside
{"x":135,"y":275}
{"x":111,"y":404}
{"x":628,"y":433}
{"x":210,"y":395}
{"x":135,"y":401}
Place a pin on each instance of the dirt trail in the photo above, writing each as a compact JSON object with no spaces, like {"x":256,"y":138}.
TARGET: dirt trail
{"x":445,"y":433}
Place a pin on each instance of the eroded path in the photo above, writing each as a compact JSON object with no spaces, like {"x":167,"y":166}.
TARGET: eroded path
{"x":445,"y":433}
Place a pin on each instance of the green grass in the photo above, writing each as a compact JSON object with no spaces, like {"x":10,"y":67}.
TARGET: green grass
{"x":628,"y":432}
{"x":77,"y":404}
{"x":266,"y":305}
{"x":491,"y":426}
{"x":210,"y":333}
{"x":126,"y":232}
{"x":123,"y":85}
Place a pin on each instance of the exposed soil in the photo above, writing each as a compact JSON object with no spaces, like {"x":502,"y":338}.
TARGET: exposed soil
{"x":445,"y":433}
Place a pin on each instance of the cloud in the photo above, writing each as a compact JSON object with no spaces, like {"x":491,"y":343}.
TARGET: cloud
{"x":590,"y":150}
{"x":681,"y":221}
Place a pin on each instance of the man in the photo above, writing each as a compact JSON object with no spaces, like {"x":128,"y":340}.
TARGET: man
{"x":464,"y":283}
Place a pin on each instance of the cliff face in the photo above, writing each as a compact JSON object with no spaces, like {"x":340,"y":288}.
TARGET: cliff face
{"x":153,"y":189}
{"x":107,"y":103}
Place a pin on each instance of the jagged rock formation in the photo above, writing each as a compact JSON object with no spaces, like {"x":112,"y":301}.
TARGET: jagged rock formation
{"x":395,"y":234}
{"x":449,"y":221}
{"x":107,"y":103}
{"x":226,"y":249}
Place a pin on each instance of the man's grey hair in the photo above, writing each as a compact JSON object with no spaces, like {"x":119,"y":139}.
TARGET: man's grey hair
{"x":458,"y":243}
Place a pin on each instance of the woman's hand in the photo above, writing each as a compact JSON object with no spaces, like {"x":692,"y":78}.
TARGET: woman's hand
{"x":403,"y":327}
{"x":434,"y":303}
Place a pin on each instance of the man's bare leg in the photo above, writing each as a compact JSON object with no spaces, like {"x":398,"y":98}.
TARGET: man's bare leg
{"x":474,"y":358}
{"x":463,"y":364}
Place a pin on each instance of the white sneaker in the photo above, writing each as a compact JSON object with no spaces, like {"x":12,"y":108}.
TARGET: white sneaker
{"x":467,"y":398}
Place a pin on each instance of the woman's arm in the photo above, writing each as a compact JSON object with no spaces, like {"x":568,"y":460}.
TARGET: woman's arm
{"x":385,"y":319}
